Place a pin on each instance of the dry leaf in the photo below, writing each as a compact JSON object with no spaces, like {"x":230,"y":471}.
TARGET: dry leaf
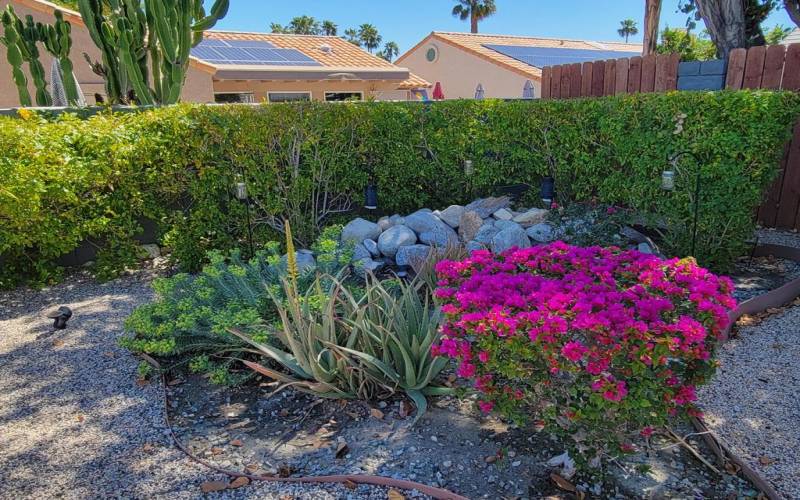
{"x":148,"y":448}
{"x":210,"y":486}
{"x":562,"y":483}
{"x":238,"y":483}
{"x":376,"y":413}
{"x":175,"y":381}
{"x":58,"y":343}
{"x":109,"y":354}
{"x":342,"y":449}
{"x":251,"y":468}
{"x":491,"y":459}
{"x":237,"y":442}
{"x":405,"y":409}
{"x":141,"y":382}
{"x":349,"y":484}
{"x":765,"y":460}
{"x":283,"y":413}
{"x":79,"y":418}
{"x":285,"y":470}
{"x":217,"y":451}
{"x":395,"y":495}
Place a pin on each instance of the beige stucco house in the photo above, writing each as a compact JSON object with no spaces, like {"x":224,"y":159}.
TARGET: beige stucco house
{"x":501,"y":64}
{"x":329,"y":68}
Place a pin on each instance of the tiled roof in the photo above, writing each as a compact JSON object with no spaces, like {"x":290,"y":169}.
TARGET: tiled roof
{"x":474,"y":43}
{"x":342,"y":55}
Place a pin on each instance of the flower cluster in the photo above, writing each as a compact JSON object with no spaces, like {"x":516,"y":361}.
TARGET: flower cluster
{"x":599,"y":344}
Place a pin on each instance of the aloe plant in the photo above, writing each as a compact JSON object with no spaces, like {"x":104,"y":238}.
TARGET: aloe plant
{"x":333,"y":344}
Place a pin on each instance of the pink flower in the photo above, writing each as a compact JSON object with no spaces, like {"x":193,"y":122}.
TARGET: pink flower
{"x":483,"y":356}
{"x":485,"y":406}
{"x":647,"y":432}
{"x":574,"y":351}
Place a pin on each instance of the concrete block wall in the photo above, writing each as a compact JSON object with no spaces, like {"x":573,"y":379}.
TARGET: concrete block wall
{"x":702,"y":75}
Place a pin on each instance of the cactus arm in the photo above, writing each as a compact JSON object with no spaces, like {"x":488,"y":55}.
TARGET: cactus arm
{"x":30,"y":36}
{"x":11,"y":41}
{"x":144,"y":95}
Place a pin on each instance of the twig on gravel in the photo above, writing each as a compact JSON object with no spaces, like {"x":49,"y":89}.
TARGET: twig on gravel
{"x":692,"y":450}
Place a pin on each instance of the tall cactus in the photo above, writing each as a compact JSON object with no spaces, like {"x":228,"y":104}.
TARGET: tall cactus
{"x":25,"y":36}
{"x":11,"y":40}
{"x":129,"y":32}
{"x":58,"y":42}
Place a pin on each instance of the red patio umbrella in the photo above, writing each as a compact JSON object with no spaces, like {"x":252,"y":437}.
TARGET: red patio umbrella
{"x":438,"y":94}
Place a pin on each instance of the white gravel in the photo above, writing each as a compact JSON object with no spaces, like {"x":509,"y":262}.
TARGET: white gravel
{"x":752,"y":403}
{"x":73,"y":422}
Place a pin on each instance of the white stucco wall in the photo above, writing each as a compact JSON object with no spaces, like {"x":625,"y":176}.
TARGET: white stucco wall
{"x":460,"y":72}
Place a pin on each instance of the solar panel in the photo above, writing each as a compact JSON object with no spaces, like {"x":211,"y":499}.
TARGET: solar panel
{"x":551,"y":56}
{"x":249,"y":52}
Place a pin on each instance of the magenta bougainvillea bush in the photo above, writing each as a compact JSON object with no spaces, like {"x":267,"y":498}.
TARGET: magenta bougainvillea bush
{"x":597,"y":345}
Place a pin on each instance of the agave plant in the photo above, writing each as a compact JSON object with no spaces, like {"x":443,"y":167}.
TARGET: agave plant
{"x":340,"y":346}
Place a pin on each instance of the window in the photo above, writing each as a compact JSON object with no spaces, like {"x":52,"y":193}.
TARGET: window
{"x":432,"y":54}
{"x":288,"y":96}
{"x":344,"y":96}
{"x":234,"y":97}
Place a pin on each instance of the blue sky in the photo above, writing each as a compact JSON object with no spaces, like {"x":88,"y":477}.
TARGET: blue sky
{"x":408,"y":21}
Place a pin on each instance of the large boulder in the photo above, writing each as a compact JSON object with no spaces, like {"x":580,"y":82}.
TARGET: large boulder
{"x":305,"y":261}
{"x":531,"y":217}
{"x":511,"y":236}
{"x":358,"y":230}
{"x":390,"y":241}
{"x":360,"y":252}
{"x":431,"y":229}
{"x":487,"y":206}
{"x":503,"y":214}
{"x":469,"y":224}
{"x":412,"y":255}
{"x":541,"y":233}
{"x":452,"y":215}
{"x":486,"y":233}
{"x":471,"y":246}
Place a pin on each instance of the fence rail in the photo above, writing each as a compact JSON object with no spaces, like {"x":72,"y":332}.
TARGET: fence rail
{"x":775,"y":67}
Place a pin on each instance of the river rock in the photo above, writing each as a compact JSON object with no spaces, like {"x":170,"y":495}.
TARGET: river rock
{"x":358,"y":230}
{"x":512,"y":236}
{"x":531,"y":217}
{"x":384,"y":223}
{"x":471,"y":246}
{"x":371,"y":247}
{"x":541,"y":233}
{"x":431,"y":229}
{"x":503,"y":214}
{"x":469,"y":224}
{"x":390,"y":241}
{"x":305,"y":260}
{"x":360,"y":252}
{"x":452,"y":215}
{"x":487,"y":206}
{"x":486,"y":233}
{"x":412,"y":255}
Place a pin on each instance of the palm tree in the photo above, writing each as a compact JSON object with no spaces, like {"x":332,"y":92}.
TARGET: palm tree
{"x":351,"y":35}
{"x":304,"y":25}
{"x":475,"y":11}
{"x":389,"y":52}
{"x":329,"y":28}
{"x":278,"y":28}
{"x":368,"y":34}
{"x":628,"y":28}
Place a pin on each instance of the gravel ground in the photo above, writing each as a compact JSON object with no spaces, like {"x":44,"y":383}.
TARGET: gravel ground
{"x":73,"y":421}
{"x":752,"y":403}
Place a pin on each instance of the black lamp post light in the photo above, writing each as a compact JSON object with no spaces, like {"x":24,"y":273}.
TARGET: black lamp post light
{"x":668,"y":184}
{"x":548,"y":191}
{"x":371,"y":196}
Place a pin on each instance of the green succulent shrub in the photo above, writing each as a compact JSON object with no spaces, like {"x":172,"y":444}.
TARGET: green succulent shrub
{"x":192,"y":314}
{"x":308,"y":163}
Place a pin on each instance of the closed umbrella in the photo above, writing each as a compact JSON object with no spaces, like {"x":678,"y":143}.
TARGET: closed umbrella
{"x":528,"y":91}
{"x":479,"y":92}
{"x":438,"y":93}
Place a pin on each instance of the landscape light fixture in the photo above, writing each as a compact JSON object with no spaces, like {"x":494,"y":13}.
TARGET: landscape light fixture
{"x":60,"y":317}
{"x":469,"y":168}
{"x":668,"y":184}
{"x":240,"y":191}
{"x":548,"y":190}
{"x":371,"y":196}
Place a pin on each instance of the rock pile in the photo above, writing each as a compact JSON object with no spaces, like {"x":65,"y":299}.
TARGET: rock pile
{"x":487,"y":223}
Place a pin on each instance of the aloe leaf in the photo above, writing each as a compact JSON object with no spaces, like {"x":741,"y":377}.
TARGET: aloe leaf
{"x":420,"y":402}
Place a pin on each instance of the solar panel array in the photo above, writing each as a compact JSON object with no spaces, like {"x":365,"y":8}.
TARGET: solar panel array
{"x":547,"y":56}
{"x":250,"y":52}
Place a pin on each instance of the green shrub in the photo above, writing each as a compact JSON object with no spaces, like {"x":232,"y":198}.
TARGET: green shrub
{"x":192,"y":314}
{"x":68,"y":179}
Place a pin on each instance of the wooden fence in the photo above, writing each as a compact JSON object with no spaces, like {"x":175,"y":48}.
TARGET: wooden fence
{"x":773,"y":67}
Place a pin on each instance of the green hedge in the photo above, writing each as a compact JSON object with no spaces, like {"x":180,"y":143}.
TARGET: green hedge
{"x":66,"y":180}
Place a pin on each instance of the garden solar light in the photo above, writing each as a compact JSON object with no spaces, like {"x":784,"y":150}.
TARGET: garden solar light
{"x":548,"y":190}
{"x":60,"y":317}
{"x":241,"y":189}
{"x":668,"y":180}
{"x":469,"y":168}
{"x":371,"y":196}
